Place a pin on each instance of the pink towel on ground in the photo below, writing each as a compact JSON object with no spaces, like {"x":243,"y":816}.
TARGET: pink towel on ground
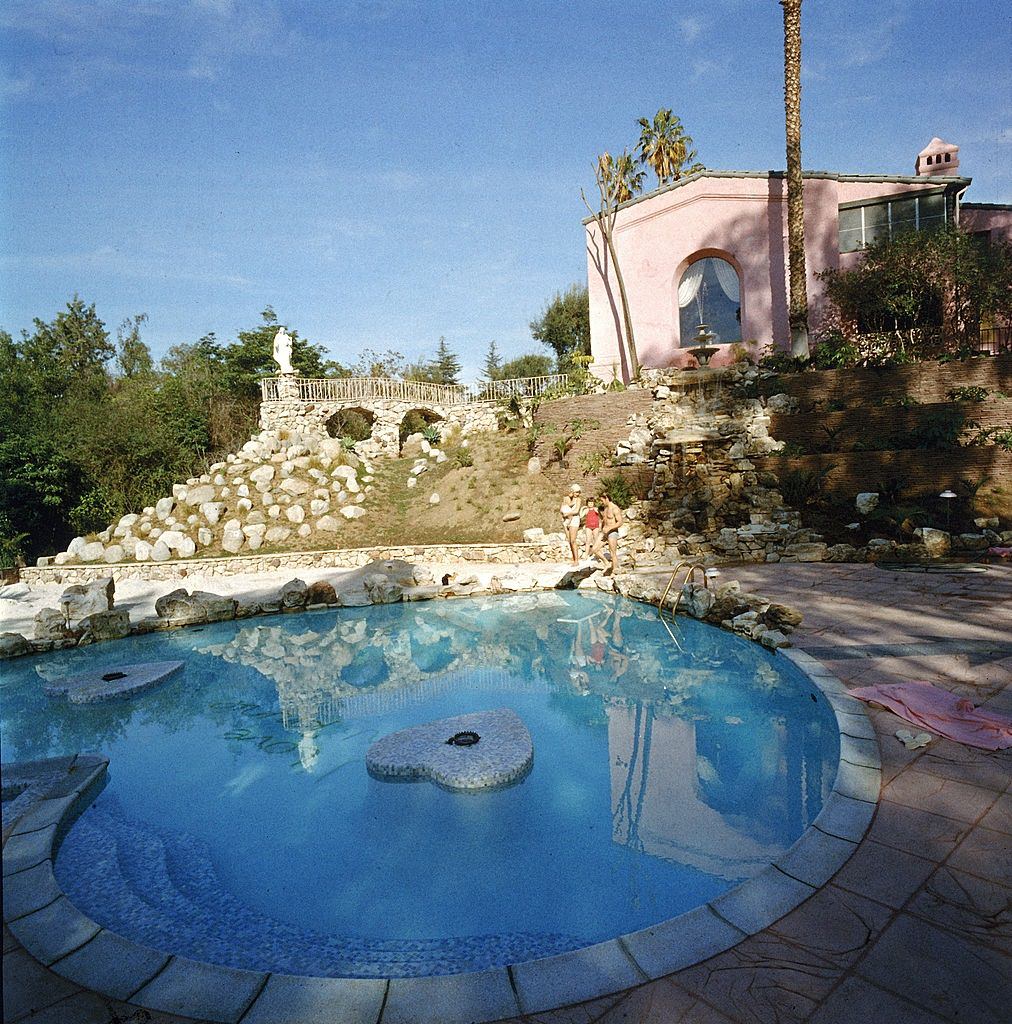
{"x":942,"y":712}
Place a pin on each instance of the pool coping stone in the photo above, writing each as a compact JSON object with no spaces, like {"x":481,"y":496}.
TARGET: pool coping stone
{"x":294,"y":999}
{"x":58,"y":935}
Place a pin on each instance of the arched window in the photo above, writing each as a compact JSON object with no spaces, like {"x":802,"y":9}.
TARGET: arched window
{"x":709,"y":293}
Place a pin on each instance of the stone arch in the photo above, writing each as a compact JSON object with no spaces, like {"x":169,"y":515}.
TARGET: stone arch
{"x":726,"y":314}
{"x":354,"y":422}
{"x":416,"y":419}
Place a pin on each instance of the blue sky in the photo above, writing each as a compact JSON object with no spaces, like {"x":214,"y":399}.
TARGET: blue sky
{"x":384,"y":172}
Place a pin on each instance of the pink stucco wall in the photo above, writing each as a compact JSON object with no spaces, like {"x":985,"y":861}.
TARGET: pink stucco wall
{"x":741,"y":219}
{"x":995,"y":219}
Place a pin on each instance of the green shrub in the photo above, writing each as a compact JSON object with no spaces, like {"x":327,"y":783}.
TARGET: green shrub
{"x":532,"y":436}
{"x":940,"y":430}
{"x":616,"y":487}
{"x":562,"y":447}
{"x":431,"y":434}
{"x":464,"y":458}
{"x":92,"y":512}
{"x":968,"y":393}
{"x":803,"y":488}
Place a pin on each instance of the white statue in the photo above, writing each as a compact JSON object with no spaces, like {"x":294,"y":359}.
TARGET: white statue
{"x":283,"y":352}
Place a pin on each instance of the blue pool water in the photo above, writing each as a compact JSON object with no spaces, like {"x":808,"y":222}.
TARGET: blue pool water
{"x":239,"y":824}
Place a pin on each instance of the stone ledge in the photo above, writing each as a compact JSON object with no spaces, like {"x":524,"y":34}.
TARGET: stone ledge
{"x":332,"y":558}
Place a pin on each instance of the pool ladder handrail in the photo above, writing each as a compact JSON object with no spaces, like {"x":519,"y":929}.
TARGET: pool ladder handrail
{"x":692,"y":567}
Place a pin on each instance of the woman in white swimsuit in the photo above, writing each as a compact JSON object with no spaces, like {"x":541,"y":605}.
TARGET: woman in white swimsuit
{"x":570,"y":512}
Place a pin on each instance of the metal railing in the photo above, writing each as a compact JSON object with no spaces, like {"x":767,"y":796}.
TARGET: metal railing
{"x":520,"y":387}
{"x":362,"y":389}
{"x":996,"y":340}
{"x":354,"y":389}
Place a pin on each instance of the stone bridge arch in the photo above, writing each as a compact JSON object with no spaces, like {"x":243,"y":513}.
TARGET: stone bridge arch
{"x":302,"y":413}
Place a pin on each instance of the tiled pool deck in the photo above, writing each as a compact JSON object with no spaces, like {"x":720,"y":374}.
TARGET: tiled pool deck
{"x":915,"y":927}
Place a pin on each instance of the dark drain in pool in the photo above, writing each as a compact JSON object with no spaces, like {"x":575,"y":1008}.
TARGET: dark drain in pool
{"x":110,"y":676}
{"x":463,"y":739}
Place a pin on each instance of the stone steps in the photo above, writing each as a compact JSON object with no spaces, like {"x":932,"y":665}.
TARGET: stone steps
{"x":159,"y":887}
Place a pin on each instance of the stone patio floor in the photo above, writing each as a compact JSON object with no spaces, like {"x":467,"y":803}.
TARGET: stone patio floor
{"x":917,"y":926}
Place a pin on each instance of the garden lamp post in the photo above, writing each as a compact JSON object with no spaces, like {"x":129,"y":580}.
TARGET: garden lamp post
{"x":948,"y":496}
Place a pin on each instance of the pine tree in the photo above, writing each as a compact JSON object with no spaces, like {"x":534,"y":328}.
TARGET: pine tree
{"x":493,"y":364}
{"x":447,"y":364}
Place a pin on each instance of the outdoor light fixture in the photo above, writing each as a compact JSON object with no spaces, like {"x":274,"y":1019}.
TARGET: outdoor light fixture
{"x":709,"y":574}
{"x":948,"y":495}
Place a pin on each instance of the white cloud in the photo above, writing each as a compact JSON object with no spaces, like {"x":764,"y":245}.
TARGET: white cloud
{"x":690,"y":27}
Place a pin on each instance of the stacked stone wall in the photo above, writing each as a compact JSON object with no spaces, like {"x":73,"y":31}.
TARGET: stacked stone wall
{"x":339,"y":558}
{"x":296,"y":415}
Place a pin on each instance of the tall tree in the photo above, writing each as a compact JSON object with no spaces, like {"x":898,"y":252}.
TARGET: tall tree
{"x":666,"y":148}
{"x":493,"y":363}
{"x":531,"y":365}
{"x":70,"y":353}
{"x":565,"y":325}
{"x":447,"y":364}
{"x":617,"y":181}
{"x":133,"y":357}
{"x":798,"y":314}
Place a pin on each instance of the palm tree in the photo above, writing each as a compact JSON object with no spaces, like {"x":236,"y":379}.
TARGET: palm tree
{"x":620,"y":175}
{"x":617,"y":180}
{"x":666,"y":148}
{"x":798,"y":312}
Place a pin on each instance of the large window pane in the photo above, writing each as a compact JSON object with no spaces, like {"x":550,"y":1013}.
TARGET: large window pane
{"x":851,"y":237}
{"x":932,"y":212}
{"x":904,"y":215}
{"x":876,"y":223}
{"x":711,"y":303}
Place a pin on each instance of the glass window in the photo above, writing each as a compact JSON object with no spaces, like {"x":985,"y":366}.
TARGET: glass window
{"x":904,"y":215}
{"x":932,"y":212}
{"x":881,"y":219}
{"x":709,"y":293}
{"x":876,"y":223}
{"x":851,"y":230}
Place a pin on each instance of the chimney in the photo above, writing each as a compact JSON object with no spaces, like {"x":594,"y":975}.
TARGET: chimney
{"x":937,"y":158}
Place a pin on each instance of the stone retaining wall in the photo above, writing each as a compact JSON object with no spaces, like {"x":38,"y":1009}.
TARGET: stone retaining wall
{"x":341,"y":558}
{"x":923,"y":382}
{"x":297,"y":415}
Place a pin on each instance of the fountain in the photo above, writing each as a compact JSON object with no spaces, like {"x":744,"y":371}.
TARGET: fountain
{"x":703,"y":350}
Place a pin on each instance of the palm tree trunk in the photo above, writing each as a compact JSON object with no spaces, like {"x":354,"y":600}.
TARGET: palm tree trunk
{"x":634,"y":363}
{"x":798,"y":311}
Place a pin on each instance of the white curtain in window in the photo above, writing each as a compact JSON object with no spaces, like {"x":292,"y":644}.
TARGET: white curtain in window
{"x":727,"y":278}
{"x":688,"y":288}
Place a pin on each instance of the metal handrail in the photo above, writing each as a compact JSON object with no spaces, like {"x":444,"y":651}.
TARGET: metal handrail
{"x":692,"y":567}
{"x":352,"y":389}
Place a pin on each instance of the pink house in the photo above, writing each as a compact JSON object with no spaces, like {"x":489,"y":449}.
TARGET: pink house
{"x":712,"y":249}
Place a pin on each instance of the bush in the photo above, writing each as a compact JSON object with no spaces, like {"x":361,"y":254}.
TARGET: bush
{"x":464,"y":458}
{"x":562,"y":447}
{"x":431,"y":434}
{"x":803,"y":488}
{"x":968,"y":393}
{"x":532,"y":436}
{"x":940,"y":430}
{"x":616,"y":487}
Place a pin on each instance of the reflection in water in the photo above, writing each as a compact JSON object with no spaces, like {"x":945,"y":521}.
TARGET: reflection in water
{"x":697,"y":775}
{"x":661,"y":775}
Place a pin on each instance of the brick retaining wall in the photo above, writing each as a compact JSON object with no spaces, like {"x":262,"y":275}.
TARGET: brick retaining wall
{"x":922,"y":382}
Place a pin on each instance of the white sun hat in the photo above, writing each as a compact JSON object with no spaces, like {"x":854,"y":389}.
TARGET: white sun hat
{"x":575,"y":489}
